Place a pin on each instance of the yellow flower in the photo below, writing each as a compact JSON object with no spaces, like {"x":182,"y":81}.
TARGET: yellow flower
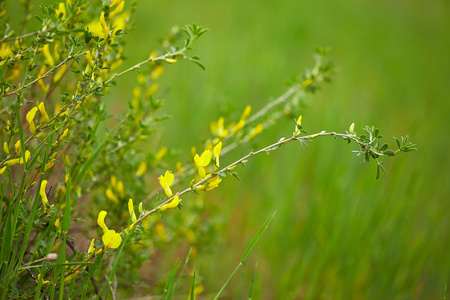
{"x":246,"y":112}
{"x":202,"y":161}
{"x":60,"y":12}
{"x":17,"y":147}
{"x":214,"y":183}
{"x":115,"y":65}
{"x":30,"y":117}
{"x":101,"y":220}
{"x":111,"y":196}
{"x":111,"y":239}
{"x":5,"y":148}
{"x":217,"y":128}
{"x":120,"y":189}
{"x":166,"y":181}
{"x":172,"y":204}
{"x":352,"y":128}
{"x":91,"y":247}
{"x":307,"y":82}
{"x":216,"y":152}
{"x":238,"y":127}
{"x":120,"y":22}
{"x":12,"y":162}
{"x":89,"y":59}
{"x":49,"y":165}
{"x":210,"y":185}
{"x":45,"y":118}
{"x":43,"y":194}
{"x":161,"y":152}
{"x":299,"y":124}
{"x":2,"y":170}
{"x":70,"y":277}
{"x":57,"y":222}
{"x":117,"y":10}
{"x":27,"y":157}
{"x":41,"y":83}
{"x":104,"y":26}
{"x":255,"y":131}
{"x":142,"y":169}
{"x":64,"y":135}
{"x":131,"y":210}
{"x":152,"y":89}
{"x":48,"y":57}
{"x":170,"y":60}
{"x":159,"y":69}
{"x":60,"y":73}
{"x":113,"y":181}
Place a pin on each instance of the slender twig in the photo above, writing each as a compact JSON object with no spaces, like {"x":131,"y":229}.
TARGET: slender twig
{"x":244,"y":158}
{"x":274,"y":103}
{"x":43,"y":76}
{"x":25,"y":35}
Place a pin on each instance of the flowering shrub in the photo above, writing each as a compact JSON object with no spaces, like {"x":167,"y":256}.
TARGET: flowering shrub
{"x":57,"y":159}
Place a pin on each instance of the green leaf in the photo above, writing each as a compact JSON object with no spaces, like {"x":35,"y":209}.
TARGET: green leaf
{"x":192,"y":296}
{"x":389,"y":153}
{"x":253,"y":282}
{"x":397,"y":142}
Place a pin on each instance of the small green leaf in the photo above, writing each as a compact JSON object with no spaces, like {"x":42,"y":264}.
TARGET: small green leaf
{"x":389,"y":153}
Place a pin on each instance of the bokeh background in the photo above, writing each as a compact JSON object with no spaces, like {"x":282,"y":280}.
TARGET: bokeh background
{"x":338,"y":233}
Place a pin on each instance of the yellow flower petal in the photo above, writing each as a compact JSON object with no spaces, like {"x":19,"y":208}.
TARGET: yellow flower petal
{"x":216,"y":152}
{"x":101,"y":220}
{"x":17,"y":147}
{"x":214,"y":183}
{"x":166,"y":181}
{"x":111,"y":196}
{"x":172,"y":204}
{"x":30,"y":117}
{"x":238,"y":127}
{"x":6,"y":148}
{"x":169,"y":177}
{"x":142,"y":169}
{"x":64,"y":135}
{"x":205,"y":159}
{"x":246,"y":112}
{"x":45,"y":118}
{"x":131,"y":210}
{"x":60,"y":12}
{"x":91,"y":247}
{"x":111,"y":239}
{"x":159,"y":69}
{"x":43,"y":194}
{"x":255,"y":131}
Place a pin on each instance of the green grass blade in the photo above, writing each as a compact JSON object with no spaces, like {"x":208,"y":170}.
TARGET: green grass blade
{"x":257,"y":236}
{"x":170,"y":286}
{"x":253,"y":282}
{"x":192,"y":295}
{"x":247,"y":251}
{"x":184,"y":267}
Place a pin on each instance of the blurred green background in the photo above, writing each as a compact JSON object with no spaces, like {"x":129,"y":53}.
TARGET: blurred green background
{"x":338,"y":233}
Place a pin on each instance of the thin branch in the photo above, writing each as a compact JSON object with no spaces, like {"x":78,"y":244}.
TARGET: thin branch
{"x":43,"y":76}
